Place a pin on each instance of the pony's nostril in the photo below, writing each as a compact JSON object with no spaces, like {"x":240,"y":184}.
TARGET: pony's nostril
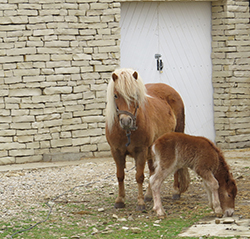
{"x":126,"y":122}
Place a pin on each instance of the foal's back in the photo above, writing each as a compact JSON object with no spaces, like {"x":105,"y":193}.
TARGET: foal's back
{"x":181,"y":150}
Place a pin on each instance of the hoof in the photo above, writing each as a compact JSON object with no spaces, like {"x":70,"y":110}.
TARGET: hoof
{"x":147,"y":199}
{"x":140,"y":208}
{"x":176,"y":196}
{"x":219,"y":215}
{"x":162,"y":217}
{"x":119,"y":205}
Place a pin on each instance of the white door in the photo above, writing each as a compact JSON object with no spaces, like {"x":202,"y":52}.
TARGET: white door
{"x":181,"y":33}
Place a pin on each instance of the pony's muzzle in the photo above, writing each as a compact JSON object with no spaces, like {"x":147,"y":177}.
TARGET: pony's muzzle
{"x":126,"y":122}
{"x":229,"y":212}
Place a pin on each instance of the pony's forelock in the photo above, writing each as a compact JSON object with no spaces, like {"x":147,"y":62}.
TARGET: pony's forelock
{"x":131,"y":89}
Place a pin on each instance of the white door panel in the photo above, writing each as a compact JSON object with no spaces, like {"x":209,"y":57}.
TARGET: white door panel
{"x":181,"y":33}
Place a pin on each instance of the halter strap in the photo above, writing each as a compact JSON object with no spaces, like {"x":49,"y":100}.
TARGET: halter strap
{"x":133,"y":117}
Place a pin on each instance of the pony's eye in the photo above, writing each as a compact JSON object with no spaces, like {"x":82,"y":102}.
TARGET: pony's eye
{"x":229,"y":195}
{"x":115,"y":96}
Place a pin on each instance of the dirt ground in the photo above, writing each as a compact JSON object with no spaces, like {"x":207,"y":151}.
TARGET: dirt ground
{"x":92,"y":184}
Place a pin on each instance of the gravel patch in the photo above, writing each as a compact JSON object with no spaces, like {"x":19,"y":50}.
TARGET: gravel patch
{"x":25,"y":189}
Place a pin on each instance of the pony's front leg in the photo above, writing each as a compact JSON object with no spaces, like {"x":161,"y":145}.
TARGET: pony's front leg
{"x":140,"y":160}
{"x":148,"y":195}
{"x":120,"y":166}
{"x":119,"y":202}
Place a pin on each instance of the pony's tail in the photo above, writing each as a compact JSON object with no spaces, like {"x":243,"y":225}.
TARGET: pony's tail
{"x":181,"y":182}
{"x":178,"y":108}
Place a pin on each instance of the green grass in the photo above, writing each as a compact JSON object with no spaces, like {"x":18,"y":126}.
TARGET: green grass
{"x":70,"y":224}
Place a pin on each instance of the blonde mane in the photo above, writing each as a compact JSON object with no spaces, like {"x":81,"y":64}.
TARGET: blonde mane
{"x":129,"y":88}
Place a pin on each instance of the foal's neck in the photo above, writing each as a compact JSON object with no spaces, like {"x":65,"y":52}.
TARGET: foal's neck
{"x":222,"y":174}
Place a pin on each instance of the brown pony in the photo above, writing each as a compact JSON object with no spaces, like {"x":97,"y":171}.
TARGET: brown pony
{"x":173,"y":151}
{"x":136,"y":116}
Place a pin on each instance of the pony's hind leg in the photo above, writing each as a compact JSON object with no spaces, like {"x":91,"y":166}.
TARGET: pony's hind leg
{"x":213,"y":186}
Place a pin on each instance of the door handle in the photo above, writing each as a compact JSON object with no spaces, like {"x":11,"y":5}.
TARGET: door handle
{"x":159,"y":62}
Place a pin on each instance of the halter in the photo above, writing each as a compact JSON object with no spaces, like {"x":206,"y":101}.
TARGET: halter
{"x":133,"y":117}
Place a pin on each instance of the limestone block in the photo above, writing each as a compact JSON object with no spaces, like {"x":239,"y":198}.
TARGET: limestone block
{"x":87,"y":112}
{"x":48,"y":117}
{"x":4,"y":92}
{"x":80,"y":141}
{"x":21,"y":51}
{"x":61,"y":142}
{"x":101,"y":43}
{"x":5,"y":119}
{"x":95,"y":106}
{"x":82,"y":56}
{"x":93,"y":119}
{"x":58,"y":90}
{"x":52,"y":123}
{"x":24,"y":92}
{"x":100,"y":154}
{"x":6,"y":139}
{"x":7,"y":160}
{"x":103,"y":147}
{"x":73,"y":108}
{"x":11,"y":59}
{"x":14,"y":19}
{"x":68,"y":70}
{"x":87,"y":132}
{"x":26,"y":72}
{"x":100,"y":87}
{"x":88,"y":147}
{"x":23,"y":118}
{"x":104,"y":68}
{"x":108,"y":49}
{"x":87,"y":32}
{"x":4,"y":112}
{"x":43,"y":32}
{"x":29,"y":159}
{"x":21,"y":152}
{"x":98,"y":6}
{"x":20,"y":126}
{"x":72,"y":121}
{"x":7,"y":132}
{"x":91,"y":19}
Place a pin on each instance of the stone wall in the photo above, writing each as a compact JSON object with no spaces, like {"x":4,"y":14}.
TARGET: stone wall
{"x":231,"y":72}
{"x":56,"y":57}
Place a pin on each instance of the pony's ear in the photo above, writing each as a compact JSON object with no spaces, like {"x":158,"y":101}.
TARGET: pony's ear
{"x":114,"y":77}
{"x":135,"y":75}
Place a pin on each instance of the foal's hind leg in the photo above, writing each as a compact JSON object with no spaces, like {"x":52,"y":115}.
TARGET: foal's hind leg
{"x":156,"y":181}
{"x":213,"y":185}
